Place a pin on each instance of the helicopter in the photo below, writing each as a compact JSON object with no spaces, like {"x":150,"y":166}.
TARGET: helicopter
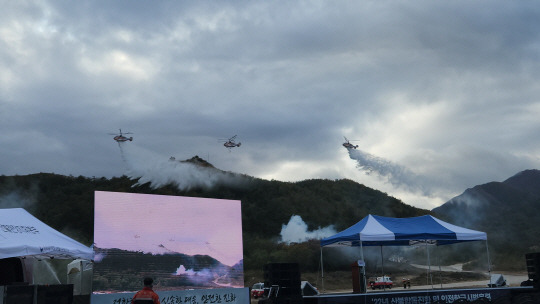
{"x":120,"y":137}
{"x":230,"y":143}
{"x":348,"y":145}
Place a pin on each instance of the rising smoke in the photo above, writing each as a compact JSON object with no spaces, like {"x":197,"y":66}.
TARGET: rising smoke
{"x":218,"y":275}
{"x":203,"y":274}
{"x":296,"y":231}
{"x":13,"y":196}
{"x":158,"y":171}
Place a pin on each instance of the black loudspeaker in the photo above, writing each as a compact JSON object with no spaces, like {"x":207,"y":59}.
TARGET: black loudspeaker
{"x":284,"y":281}
{"x":533,"y":267}
{"x":18,"y":294}
{"x":282,"y":274}
{"x":55,"y":294}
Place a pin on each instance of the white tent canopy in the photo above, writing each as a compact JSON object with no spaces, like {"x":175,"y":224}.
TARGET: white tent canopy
{"x":23,"y":235}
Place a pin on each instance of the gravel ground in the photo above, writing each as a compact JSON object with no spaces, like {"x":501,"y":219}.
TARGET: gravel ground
{"x":512,"y":279}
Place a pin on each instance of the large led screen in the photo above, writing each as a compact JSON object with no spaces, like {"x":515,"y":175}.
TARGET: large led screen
{"x":181,"y":242}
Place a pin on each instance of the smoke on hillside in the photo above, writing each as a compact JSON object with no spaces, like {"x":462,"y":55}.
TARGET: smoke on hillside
{"x":296,"y":231}
{"x":148,"y":167}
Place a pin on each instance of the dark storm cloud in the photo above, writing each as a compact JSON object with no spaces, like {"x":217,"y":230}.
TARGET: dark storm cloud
{"x":446,"y":89}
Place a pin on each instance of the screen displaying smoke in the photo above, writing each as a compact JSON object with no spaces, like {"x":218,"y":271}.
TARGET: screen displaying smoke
{"x":181,"y":242}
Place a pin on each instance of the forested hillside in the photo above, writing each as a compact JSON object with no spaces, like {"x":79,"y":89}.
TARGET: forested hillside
{"x":66,"y":204}
{"x":507,"y":211}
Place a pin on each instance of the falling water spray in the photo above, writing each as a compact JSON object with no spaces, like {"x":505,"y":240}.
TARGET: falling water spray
{"x":397,"y":175}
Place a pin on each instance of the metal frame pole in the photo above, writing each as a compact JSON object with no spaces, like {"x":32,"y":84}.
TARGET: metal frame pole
{"x":322,"y":272}
{"x":363,"y":268}
{"x":489,"y":263}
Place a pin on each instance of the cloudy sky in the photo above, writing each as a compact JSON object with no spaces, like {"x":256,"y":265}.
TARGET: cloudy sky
{"x":439,"y":96}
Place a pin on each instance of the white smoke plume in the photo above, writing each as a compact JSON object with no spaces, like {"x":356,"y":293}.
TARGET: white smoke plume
{"x":15,"y":197}
{"x":205,"y":276}
{"x":98,"y":257}
{"x":16,"y":200}
{"x":160,"y":171}
{"x":204,"y":273}
{"x":296,"y":231}
{"x":398,"y":176}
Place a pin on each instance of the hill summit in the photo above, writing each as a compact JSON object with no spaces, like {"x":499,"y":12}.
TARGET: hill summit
{"x":196,"y":160}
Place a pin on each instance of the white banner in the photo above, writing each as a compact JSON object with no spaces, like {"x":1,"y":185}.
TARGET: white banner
{"x":196,"y":296}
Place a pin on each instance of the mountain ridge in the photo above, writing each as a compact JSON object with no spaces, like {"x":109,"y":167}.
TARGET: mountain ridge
{"x":507,"y":211}
{"x":66,"y":204}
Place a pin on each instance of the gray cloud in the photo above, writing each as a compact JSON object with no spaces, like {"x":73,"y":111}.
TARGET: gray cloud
{"x":444,"y":89}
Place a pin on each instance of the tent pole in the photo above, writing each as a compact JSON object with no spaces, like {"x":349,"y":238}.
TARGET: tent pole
{"x":364,"y":287}
{"x":489,"y":263}
{"x":440,"y":270}
{"x":429,"y":278}
{"x":382,"y":268}
{"x":82,"y":272}
{"x":427,"y":270}
{"x":322,"y":272}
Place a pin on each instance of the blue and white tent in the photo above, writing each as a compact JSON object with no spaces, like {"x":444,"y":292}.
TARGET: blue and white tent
{"x":374,"y":230}
{"x":382,"y":231}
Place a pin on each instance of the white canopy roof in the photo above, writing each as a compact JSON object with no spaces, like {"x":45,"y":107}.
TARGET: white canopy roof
{"x":21,"y":234}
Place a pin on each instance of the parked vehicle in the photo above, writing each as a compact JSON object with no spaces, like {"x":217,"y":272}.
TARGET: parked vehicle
{"x":381,"y":282}
{"x":257,"y":290}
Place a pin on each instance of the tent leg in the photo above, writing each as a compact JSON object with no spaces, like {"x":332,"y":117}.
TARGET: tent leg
{"x":322,"y":273}
{"x":81,"y":281}
{"x":382,"y":267}
{"x":429,"y":278}
{"x":363,"y":268}
{"x":489,"y":263}
{"x":440,"y":270}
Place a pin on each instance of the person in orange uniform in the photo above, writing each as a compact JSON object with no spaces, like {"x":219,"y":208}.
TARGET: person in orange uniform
{"x":146,"y":293}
